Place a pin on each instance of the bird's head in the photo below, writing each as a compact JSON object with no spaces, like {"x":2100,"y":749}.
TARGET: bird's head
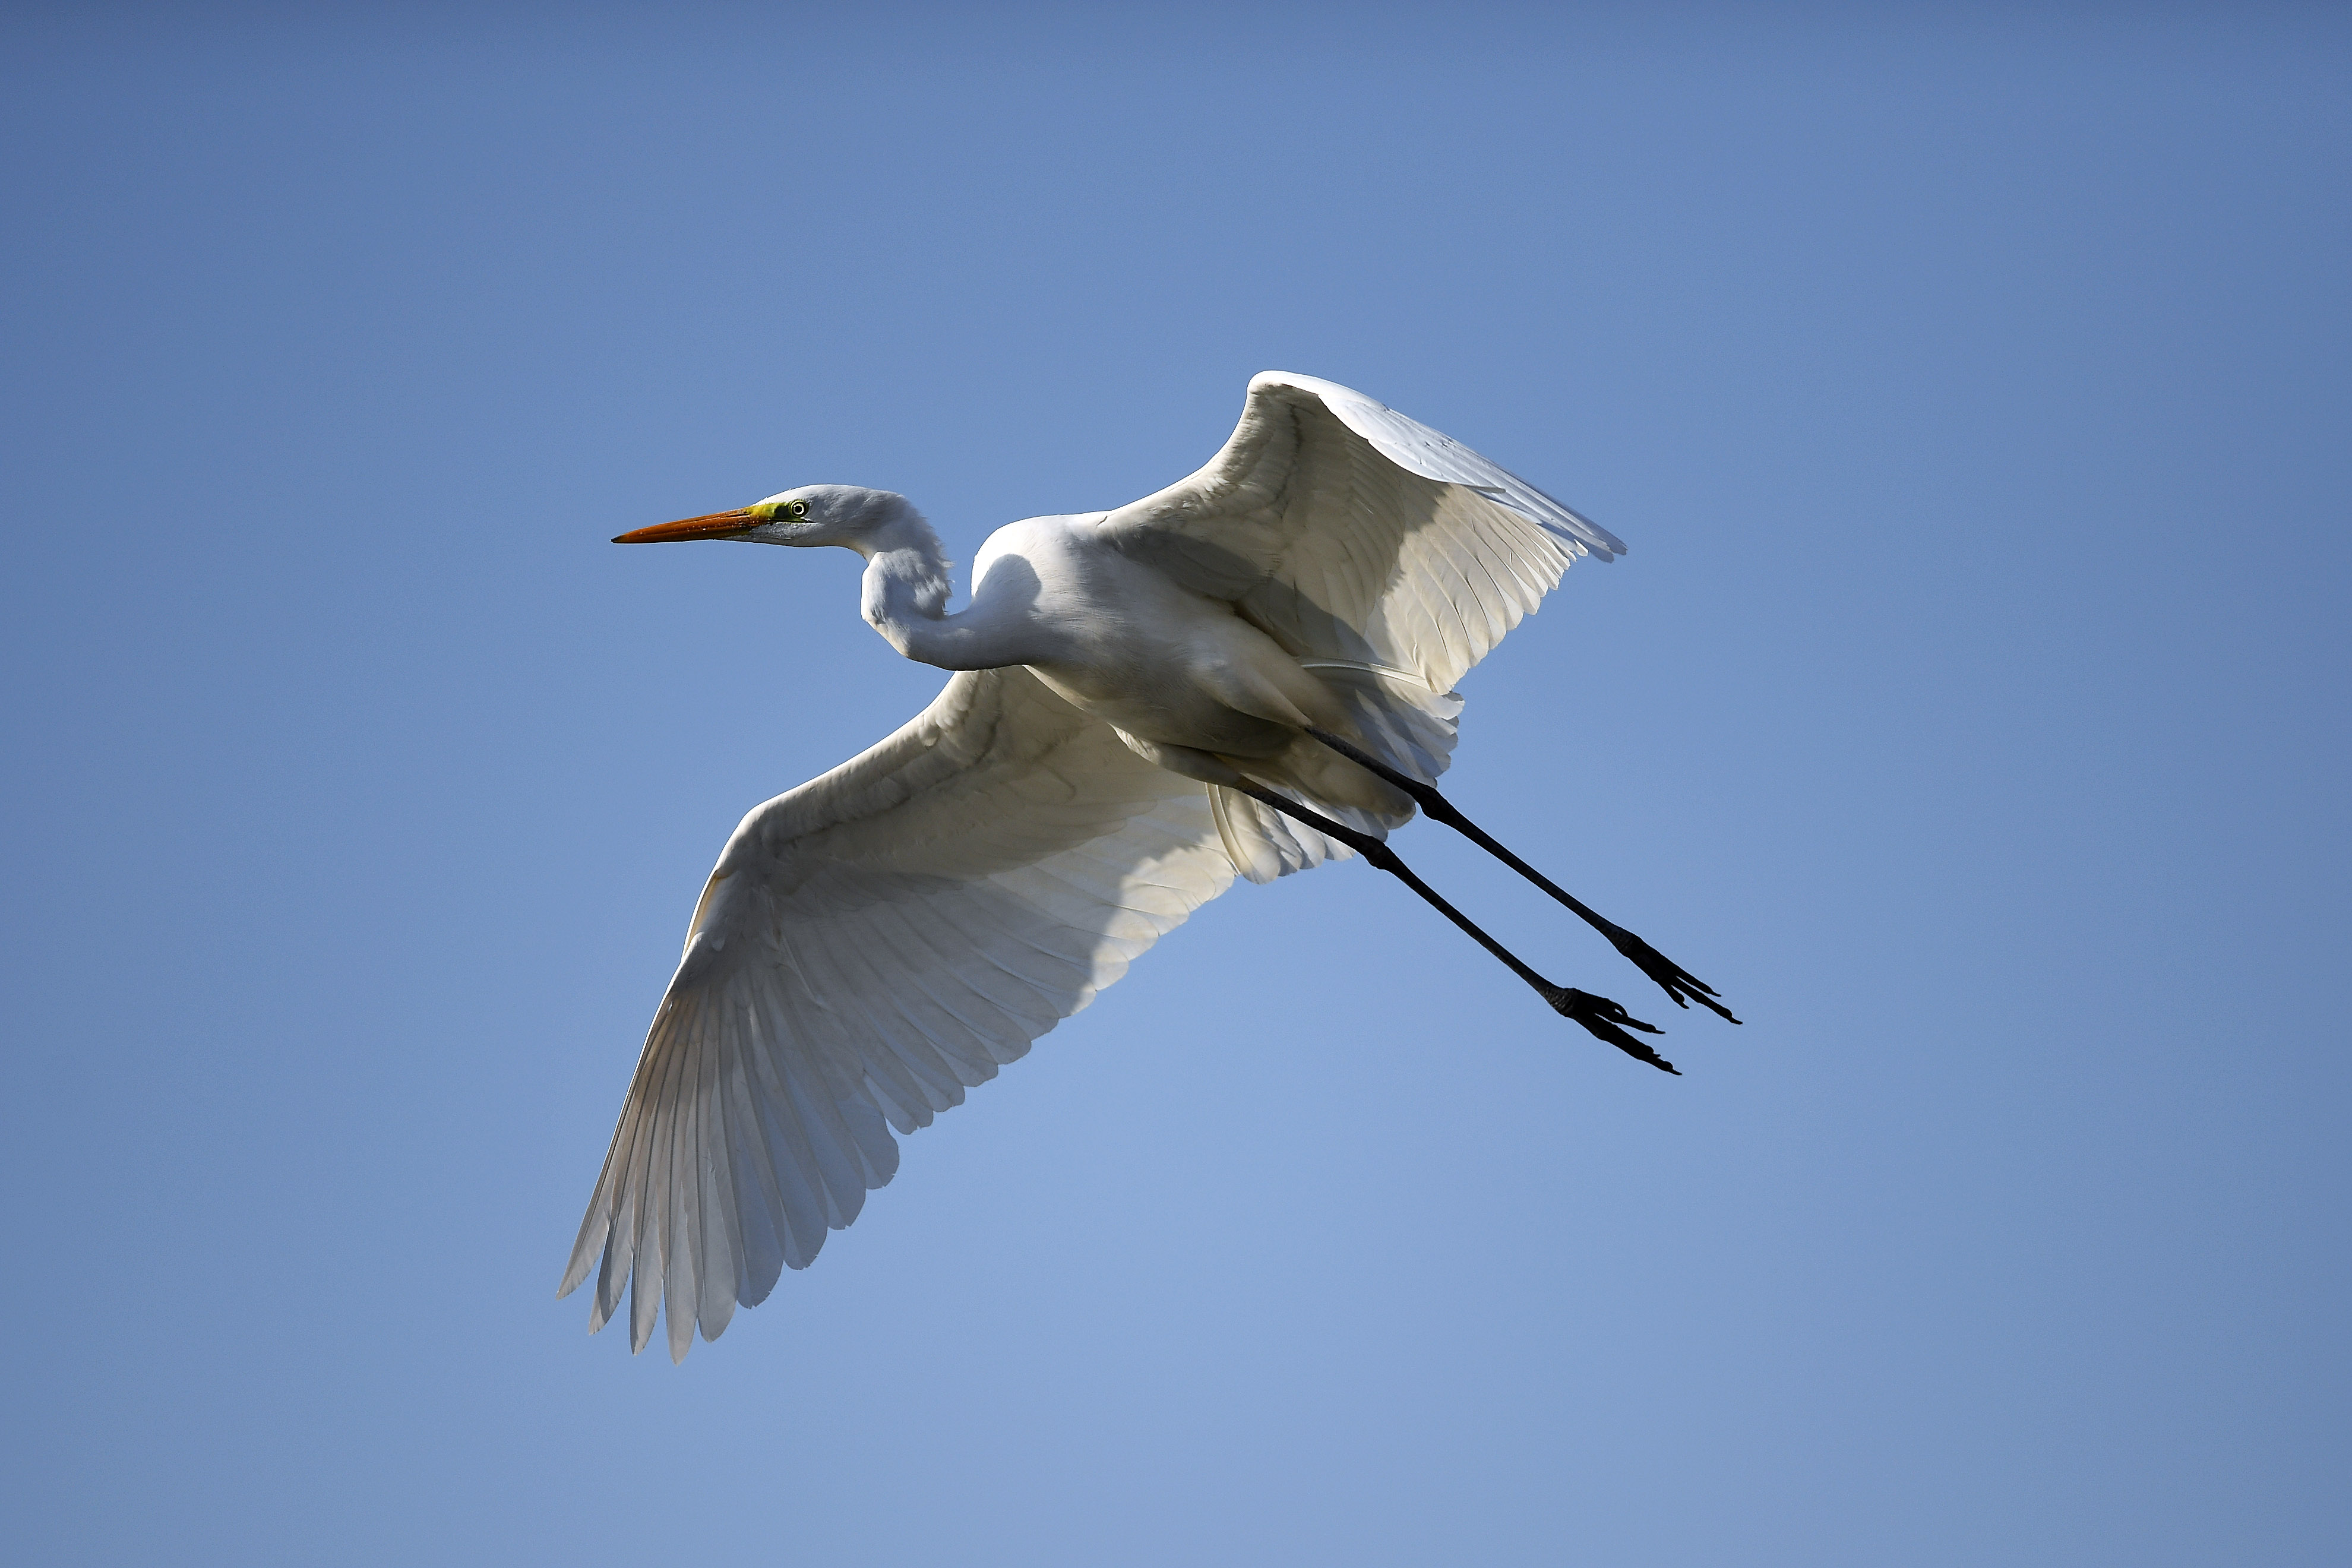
{"x":812,"y":514}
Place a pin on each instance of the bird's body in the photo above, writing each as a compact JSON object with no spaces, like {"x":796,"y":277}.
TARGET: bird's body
{"x":1246,"y":674}
{"x":1181,"y":677}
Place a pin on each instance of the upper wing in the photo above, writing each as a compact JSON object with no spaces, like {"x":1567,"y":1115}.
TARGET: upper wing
{"x":872,"y":944}
{"x":1348,"y":531}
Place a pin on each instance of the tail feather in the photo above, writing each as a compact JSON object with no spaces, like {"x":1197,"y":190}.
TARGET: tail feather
{"x":1396,"y":717}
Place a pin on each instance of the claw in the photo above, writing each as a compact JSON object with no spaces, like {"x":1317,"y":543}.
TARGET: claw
{"x":1671,"y":977}
{"x":1608,"y":1021}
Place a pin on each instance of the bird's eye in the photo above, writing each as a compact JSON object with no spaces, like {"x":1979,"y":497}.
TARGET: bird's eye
{"x":796,"y":509}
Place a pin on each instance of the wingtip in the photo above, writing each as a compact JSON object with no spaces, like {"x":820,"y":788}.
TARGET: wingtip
{"x":1597,"y":541}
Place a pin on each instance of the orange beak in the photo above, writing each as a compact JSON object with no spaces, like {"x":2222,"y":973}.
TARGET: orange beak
{"x":713,"y":525}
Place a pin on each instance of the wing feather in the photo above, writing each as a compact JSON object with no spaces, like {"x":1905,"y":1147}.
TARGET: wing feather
{"x":1345,"y":529}
{"x":870,"y":947}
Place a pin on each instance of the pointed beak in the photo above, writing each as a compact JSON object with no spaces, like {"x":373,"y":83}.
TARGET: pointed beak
{"x":714,"y":525}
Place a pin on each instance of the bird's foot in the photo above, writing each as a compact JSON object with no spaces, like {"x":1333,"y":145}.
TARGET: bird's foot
{"x":1672,"y":978}
{"x":1608,"y":1021}
{"x":1676,"y":981}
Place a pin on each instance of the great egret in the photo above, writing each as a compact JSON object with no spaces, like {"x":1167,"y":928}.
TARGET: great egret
{"x":1248,"y":673}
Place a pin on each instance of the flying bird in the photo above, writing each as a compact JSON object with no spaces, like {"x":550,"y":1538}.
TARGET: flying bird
{"x":1245,"y":675}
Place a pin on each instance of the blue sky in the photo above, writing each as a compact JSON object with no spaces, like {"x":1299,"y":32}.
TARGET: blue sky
{"x":1970,"y":390}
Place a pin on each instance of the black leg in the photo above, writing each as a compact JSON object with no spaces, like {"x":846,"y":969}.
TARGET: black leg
{"x":1599,"y":1014}
{"x":1674,"y":980}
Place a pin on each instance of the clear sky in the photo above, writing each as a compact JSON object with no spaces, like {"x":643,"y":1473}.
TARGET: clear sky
{"x":1970,"y":709}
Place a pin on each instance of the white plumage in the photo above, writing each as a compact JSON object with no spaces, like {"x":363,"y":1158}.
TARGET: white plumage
{"x":881,"y":939}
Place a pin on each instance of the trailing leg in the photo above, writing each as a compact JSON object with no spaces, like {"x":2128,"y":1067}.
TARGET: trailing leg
{"x":1674,"y":980}
{"x":1600,"y":1015}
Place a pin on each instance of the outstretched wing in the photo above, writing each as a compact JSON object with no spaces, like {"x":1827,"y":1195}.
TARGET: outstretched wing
{"x":1350,"y":532}
{"x":871,"y":945}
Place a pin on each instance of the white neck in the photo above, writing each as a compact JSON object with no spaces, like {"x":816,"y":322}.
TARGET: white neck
{"x":905,"y":598}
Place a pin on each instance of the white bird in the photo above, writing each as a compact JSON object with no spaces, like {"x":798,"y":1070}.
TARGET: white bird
{"x":1248,"y":673}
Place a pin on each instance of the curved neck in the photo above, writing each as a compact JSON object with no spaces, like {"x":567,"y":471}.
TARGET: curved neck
{"x":905,"y":598}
